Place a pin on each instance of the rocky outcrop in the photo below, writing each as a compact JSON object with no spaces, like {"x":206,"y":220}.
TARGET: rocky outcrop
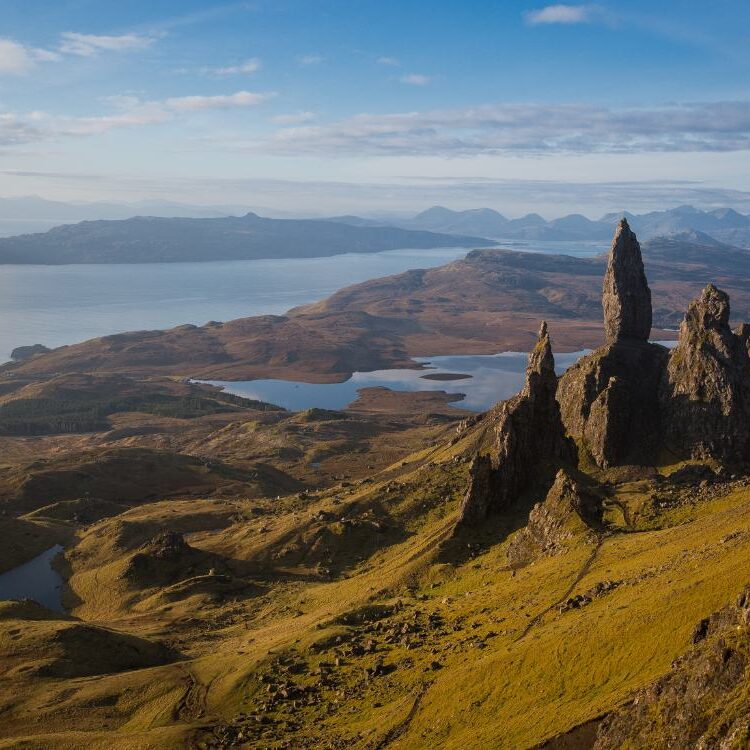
{"x":609,"y":399}
{"x":167,"y":558}
{"x":626,"y":297}
{"x":22,"y":353}
{"x":702,"y":701}
{"x":569,"y":511}
{"x":705,"y":394}
{"x":530,"y":442}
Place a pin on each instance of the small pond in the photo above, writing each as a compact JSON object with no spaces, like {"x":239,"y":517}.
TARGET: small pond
{"x":36,"y":580}
{"x":482,"y":379}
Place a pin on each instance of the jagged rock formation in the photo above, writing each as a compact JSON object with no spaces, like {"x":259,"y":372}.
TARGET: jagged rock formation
{"x":609,"y":399}
{"x":626,"y":297}
{"x":629,"y":399}
{"x":569,"y":510}
{"x":530,"y":441}
{"x":706,"y":386}
{"x":702,"y":701}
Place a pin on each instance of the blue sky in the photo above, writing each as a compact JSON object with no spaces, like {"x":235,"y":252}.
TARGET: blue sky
{"x":319,"y":106}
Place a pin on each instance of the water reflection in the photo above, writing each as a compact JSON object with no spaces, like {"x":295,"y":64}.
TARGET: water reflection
{"x":36,"y":580}
{"x":493,"y":377}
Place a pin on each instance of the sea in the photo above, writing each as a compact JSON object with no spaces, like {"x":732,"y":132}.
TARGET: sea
{"x":56,"y":305}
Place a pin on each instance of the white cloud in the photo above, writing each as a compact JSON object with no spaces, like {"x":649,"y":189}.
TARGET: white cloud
{"x":14,"y":58}
{"x":310,"y":59}
{"x":221,"y":101}
{"x":17,"y":59}
{"x":416,"y":79}
{"x":525,"y":129}
{"x":89,"y":45}
{"x":253,"y":65}
{"x":15,"y":130}
{"x":390,"y":61}
{"x":20,"y":59}
{"x":294,"y":118}
{"x":560,"y":14}
{"x":130,"y":111}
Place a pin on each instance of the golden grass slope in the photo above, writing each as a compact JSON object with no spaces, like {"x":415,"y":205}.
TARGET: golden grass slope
{"x":384,"y":637}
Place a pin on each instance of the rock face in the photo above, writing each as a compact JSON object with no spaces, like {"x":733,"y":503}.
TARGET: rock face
{"x":705,"y":393}
{"x":701,"y":702}
{"x":476,"y":502}
{"x":530,"y":441}
{"x":626,"y":297}
{"x":568,"y":511}
{"x":610,"y":398}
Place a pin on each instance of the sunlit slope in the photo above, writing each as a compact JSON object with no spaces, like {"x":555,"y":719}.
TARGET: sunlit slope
{"x":352,"y":617}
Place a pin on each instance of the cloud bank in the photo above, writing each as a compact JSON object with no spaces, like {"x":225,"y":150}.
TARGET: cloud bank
{"x":525,"y":129}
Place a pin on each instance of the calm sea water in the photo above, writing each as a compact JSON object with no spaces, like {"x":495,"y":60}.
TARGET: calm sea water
{"x":55,"y":305}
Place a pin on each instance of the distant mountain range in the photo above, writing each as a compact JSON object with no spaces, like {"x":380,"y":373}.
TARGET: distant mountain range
{"x":180,"y":232}
{"x":723,"y":223}
{"x":169,"y":240}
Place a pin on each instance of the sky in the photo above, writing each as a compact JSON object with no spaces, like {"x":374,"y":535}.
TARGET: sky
{"x":314,"y":107}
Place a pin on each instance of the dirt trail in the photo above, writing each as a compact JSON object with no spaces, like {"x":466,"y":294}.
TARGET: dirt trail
{"x":581,"y":573}
{"x":192,"y":705}
{"x":395,"y":732}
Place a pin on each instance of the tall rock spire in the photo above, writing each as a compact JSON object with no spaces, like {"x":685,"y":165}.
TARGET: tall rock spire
{"x":626,"y":297}
{"x":540,"y":371}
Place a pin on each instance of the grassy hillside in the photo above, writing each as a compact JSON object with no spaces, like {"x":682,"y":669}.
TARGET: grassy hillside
{"x":351,"y":618}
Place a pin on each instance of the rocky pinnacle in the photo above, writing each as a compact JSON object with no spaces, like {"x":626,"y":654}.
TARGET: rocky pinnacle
{"x":540,"y":371}
{"x":530,"y":442}
{"x":626,"y":297}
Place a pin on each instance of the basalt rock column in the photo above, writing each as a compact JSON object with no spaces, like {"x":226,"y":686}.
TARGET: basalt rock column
{"x":530,"y":442}
{"x":626,"y":298}
{"x":609,"y":398}
{"x":705,"y":395}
